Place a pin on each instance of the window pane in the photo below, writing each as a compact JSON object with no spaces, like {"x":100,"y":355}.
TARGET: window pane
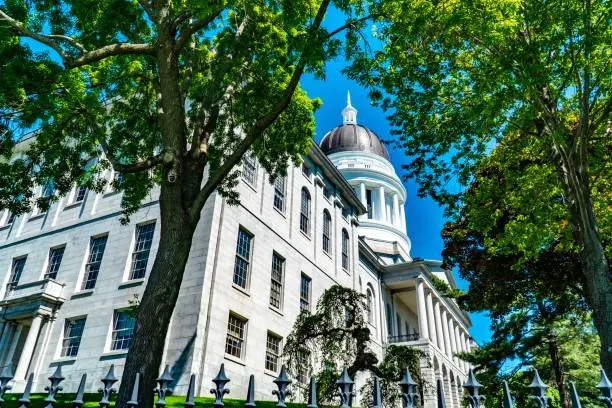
{"x":273,"y":349}
{"x":326,"y":231}
{"x":276,"y":288}
{"x":243,"y":258}
{"x":123,"y":330}
{"x":80,"y":194}
{"x":55,"y":259}
{"x":142,"y":247}
{"x":249,"y":169}
{"x":305,"y":212}
{"x":345,"y":249}
{"x":73,"y":332}
{"x":16,"y":271}
{"x":234,"y":341}
{"x":279,"y":193}
{"x":305,"y":293}
{"x":92,"y":268}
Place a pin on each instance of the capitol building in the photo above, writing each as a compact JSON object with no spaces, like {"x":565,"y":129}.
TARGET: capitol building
{"x":69,"y":274}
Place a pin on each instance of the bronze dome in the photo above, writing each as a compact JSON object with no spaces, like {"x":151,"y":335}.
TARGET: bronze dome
{"x":351,"y":137}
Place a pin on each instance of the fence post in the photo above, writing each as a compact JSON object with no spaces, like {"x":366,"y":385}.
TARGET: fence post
{"x":440,"y":393}
{"x":507,"y":396}
{"x":539,"y":389}
{"x":605,"y":386}
{"x":133,"y":402}
{"x":574,"y":395}
{"x":108,"y":380}
{"x":473,"y":388}
{"x":163,"y":387}
{"x":24,"y":401}
{"x":250,"y":400}
{"x":78,"y":399}
{"x":219,"y":391}
{"x":282,"y":382}
{"x":312,"y":393}
{"x":376,"y":394}
{"x":56,"y":378}
{"x":346,"y":389}
{"x":409,"y":390}
{"x":5,"y":378}
{"x":190,"y":399}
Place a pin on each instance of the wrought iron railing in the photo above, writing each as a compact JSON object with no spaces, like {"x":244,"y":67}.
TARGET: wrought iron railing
{"x":403,"y":338}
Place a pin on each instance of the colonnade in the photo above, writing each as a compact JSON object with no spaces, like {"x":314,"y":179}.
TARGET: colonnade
{"x":396,"y":216}
{"x":438,"y":324}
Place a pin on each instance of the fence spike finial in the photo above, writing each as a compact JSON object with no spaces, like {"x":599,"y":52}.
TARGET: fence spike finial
{"x":605,"y":386}
{"x":440,"y":393}
{"x":163,"y":387}
{"x":190,"y":399}
{"x":312,"y":393}
{"x":376,"y":394}
{"x":574,"y":395}
{"x":108,"y":380}
{"x":472,"y":386}
{"x":345,"y":383}
{"x":282,"y":382}
{"x":250,"y":401}
{"x":77,"y":402}
{"x":24,"y":401}
{"x":410,"y":396}
{"x":133,"y":402}
{"x":507,"y":396}
{"x":219,"y":391}
{"x":539,"y":389}
{"x":5,"y":378}
{"x":56,"y":378}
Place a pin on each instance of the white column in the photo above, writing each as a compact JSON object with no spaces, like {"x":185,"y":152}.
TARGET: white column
{"x":8,"y":358}
{"x":453,"y":341}
{"x":458,"y":345}
{"x":463,"y":347}
{"x":396,"y":214}
{"x":382,"y":206}
{"x":439,"y":334}
{"x":362,"y":195}
{"x":28,"y":348}
{"x":447,"y":347}
{"x":430,"y":319}
{"x":403,"y":216}
{"x":420,"y":294}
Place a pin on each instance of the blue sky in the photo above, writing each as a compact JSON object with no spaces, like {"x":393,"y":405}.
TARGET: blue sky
{"x":424,"y":218}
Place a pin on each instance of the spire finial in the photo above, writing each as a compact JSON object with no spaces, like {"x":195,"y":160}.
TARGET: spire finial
{"x":349,"y":114}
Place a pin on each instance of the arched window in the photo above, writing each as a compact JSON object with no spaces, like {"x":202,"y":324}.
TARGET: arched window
{"x":345,"y":249}
{"x":370,"y":305}
{"x":305,"y":212}
{"x":326,"y":231}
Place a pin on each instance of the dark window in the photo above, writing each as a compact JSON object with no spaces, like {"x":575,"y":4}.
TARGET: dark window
{"x":11,"y":218}
{"x":276,"y":287}
{"x":55,"y":260}
{"x":306,"y":170}
{"x":327,"y":192}
{"x":279,"y":193}
{"x":398,"y":322}
{"x":369,"y":203}
{"x":142,"y":247}
{"x":305,"y":285}
{"x":73,"y":331}
{"x":16,"y":270}
{"x":389,"y":321}
{"x":92,"y":267}
{"x":345,"y":249}
{"x":80,"y":193}
{"x":234,"y":342}
{"x":326,"y":231}
{"x":243,"y":258}
{"x":305,"y":212}
{"x":47,"y":192}
{"x":273,"y":350}
{"x":370,"y":305}
{"x":123,"y":330}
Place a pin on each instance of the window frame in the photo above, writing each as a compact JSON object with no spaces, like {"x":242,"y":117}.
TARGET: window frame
{"x":67,"y":344}
{"x":51,"y":261}
{"x":370,"y":304}
{"x":249,"y":160}
{"x":114,"y":340}
{"x":280,"y":196}
{"x":327,"y":232}
{"x":305,"y":211}
{"x":88,"y":262}
{"x":239,"y":338}
{"x":15,"y":276}
{"x":305,"y":302}
{"x":135,"y":253}
{"x":345,"y":249}
{"x":241,"y":259}
{"x":279,"y":281}
{"x":77,"y":190}
{"x":273,"y":357}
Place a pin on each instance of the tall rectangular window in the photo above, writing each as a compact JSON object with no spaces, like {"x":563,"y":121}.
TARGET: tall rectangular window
{"x":55,"y":260}
{"x":10,"y":219}
{"x":235,"y":339}
{"x":369,"y":203}
{"x":279,"y":193}
{"x":273,"y":350}
{"x":305,"y":285}
{"x":303,"y":366}
{"x":243,"y":258}
{"x":123,"y":331}
{"x":305,"y":212}
{"x":326,"y":231}
{"x":80,"y":194}
{"x":276,"y":285}
{"x":345,"y":249}
{"x":249,"y":169}
{"x":73,"y":331}
{"x":16,"y":270}
{"x":142,"y":248}
{"x":92,"y":267}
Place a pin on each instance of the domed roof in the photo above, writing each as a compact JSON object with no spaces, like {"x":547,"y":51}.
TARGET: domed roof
{"x":351,"y":137}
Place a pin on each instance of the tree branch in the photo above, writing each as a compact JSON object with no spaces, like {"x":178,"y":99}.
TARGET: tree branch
{"x":353,"y":22}
{"x":148,"y":8}
{"x":145,"y":164}
{"x":194,"y":27}
{"x":263,"y":123}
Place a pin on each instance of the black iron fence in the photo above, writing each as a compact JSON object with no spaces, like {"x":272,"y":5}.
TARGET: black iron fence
{"x":410,"y":395}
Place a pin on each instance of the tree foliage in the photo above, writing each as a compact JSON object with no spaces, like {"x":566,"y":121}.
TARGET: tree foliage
{"x":336,"y":335}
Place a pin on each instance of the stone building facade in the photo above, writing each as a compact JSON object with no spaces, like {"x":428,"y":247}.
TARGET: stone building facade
{"x":69,"y":274}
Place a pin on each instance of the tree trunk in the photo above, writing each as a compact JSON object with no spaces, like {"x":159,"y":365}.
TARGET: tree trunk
{"x":553,"y":351}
